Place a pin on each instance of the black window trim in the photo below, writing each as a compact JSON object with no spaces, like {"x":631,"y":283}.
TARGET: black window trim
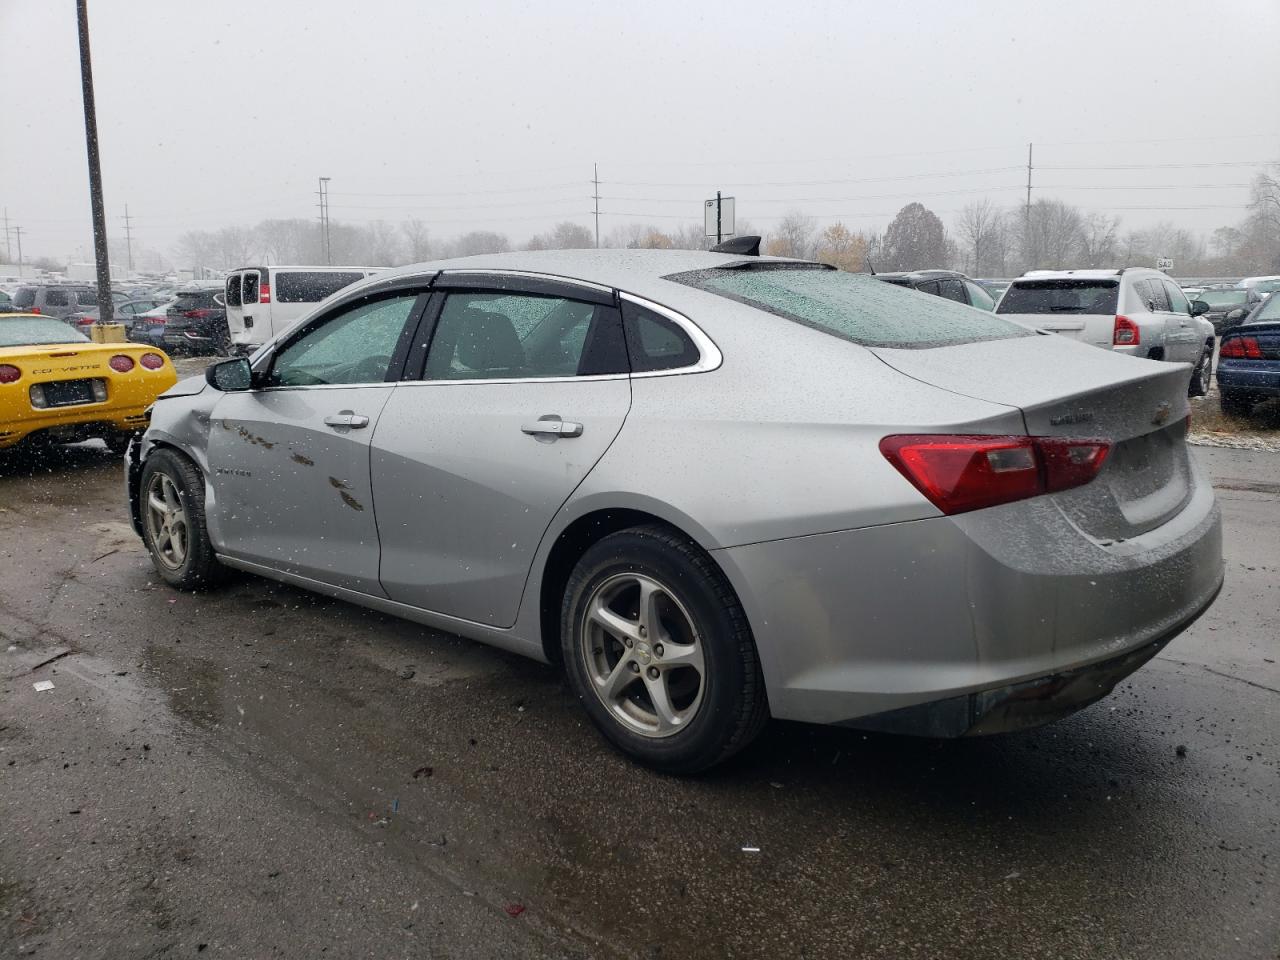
{"x":266,"y":361}
{"x":494,"y":281}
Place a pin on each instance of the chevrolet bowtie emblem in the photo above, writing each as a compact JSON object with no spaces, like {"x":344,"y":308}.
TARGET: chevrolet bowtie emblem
{"x":1163,"y":411}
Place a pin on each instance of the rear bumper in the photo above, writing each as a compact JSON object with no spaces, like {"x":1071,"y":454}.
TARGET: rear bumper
{"x":1257,"y":380}
{"x":71,"y":424}
{"x":863,"y":622}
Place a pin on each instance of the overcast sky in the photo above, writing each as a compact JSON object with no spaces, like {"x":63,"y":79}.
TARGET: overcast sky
{"x":478,"y":115}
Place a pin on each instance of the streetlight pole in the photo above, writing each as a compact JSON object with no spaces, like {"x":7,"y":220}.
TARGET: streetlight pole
{"x":106,"y":310}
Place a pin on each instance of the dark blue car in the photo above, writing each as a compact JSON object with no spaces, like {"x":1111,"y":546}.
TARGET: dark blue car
{"x":1249,"y":360}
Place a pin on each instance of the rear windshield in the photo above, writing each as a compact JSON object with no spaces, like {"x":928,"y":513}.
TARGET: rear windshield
{"x":854,"y":307}
{"x":1222,"y":298}
{"x":189,"y":299}
{"x":310,"y":287}
{"x":1060,"y":296}
{"x":25,"y":297}
{"x":25,"y":331}
{"x":233,"y":290}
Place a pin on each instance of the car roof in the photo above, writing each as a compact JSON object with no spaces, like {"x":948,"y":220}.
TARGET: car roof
{"x":640,"y":272}
{"x":1077,"y":274}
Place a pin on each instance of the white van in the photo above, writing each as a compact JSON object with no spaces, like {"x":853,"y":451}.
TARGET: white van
{"x":262,"y":301}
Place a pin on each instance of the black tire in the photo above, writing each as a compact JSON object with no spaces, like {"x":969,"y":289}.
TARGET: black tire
{"x":733,"y":707}
{"x":199,"y":569}
{"x":1235,"y":404}
{"x":1202,"y":375}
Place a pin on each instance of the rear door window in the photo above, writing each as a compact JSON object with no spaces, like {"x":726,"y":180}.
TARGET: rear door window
{"x":233,"y":290}
{"x":1060,"y":295}
{"x":1159,"y":296}
{"x":89,"y":298}
{"x":854,"y":307}
{"x":952,"y":289}
{"x":298,"y":287}
{"x":249,"y":289}
{"x":56,"y":298}
{"x":25,"y":297}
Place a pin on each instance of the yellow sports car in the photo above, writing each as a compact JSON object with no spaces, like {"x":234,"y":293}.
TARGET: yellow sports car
{"x":57,"y":387}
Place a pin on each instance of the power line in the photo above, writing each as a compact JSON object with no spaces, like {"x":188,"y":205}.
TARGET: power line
{"x":819,"y":183}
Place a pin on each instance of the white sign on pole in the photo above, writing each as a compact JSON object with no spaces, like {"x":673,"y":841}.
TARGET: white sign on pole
{"x":726,"y":217}
{"x":1164,"y":263}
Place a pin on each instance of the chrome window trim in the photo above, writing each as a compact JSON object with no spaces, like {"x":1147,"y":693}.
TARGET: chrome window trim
{"x":709,"y":355}
{"x":324,"y":386}
{"x":527,"y":275}
{"x":459,"y":383}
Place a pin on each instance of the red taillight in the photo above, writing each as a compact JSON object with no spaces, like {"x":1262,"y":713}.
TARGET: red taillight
{"x":35,"y":310}
{"x":9,"y":373}
{"x":1241,"y":348}
{"x":120,"y":363}
{"x":264,"y":292}
{"x":200,"y":313}
{"x":152,"y":361}
{"x":84,"y":322}
{"x":961,"y":473}
{"x":1126,"y":333}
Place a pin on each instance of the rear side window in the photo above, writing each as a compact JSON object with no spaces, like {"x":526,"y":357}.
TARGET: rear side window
{"x":1062,"y":295}
{"x":90,"y":298}
{"x":233,"y":290}
{"x":25,"y":297}
{"x":854,"y":307}
{"x":310,"y":287}
{"x":56,"y":298}
{"x":654,"y":342}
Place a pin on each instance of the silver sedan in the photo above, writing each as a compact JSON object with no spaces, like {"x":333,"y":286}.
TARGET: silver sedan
{"x":715,"y":487}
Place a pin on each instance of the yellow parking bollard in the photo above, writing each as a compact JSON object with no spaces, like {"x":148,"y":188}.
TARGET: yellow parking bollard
{"x":107,"y":333}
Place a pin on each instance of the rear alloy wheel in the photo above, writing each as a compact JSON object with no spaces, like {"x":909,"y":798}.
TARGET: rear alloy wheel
{"x":1235,"y":404}
{"x":658,"y":650}
{"x":171,"y":497}
{"x":1202,"y":375}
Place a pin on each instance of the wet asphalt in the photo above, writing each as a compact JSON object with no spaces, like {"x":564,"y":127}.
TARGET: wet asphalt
{"x":258,"y":772}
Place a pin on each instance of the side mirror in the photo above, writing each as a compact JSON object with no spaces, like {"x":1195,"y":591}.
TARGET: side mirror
{"x":1198,"y":307}
{"x":1237,"y":314}
{"x":230,"y":376}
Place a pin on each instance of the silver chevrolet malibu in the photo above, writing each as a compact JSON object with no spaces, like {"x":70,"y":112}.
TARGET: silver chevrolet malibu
{"x":715,"y":487}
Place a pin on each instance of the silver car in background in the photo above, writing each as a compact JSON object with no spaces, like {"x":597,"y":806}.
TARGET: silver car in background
{"x":715,"y":487}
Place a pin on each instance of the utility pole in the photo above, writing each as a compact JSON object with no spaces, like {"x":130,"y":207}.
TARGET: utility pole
{"x":1026,"y":216}
{"x":324,"y":220}
{"x":595,"y":182}
{"x":719,"y":238}
{"x":16,"y":231}
{"x":106,"y":307}
{"x":8,"y":254}
{"x":128,"y":236}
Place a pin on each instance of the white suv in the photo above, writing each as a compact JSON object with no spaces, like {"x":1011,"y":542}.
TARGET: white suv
{"x":1134,"y":310}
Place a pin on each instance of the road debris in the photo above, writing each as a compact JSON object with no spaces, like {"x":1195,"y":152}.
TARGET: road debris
{"x":40,"y":686}
{"x":513,"y":909}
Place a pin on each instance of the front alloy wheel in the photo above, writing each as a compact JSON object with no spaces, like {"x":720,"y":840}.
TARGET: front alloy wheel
{"x":167,"y":522}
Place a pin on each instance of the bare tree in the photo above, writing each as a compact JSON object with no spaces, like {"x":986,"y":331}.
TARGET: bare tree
{"x":417,"y":240}
{"x":1050,"y":235}
{"x":478,"y":242}
{"x":978,"y":223}
{"x":793,"y":236}
{"x":565,"y":235}
{"x":1099,"y":240}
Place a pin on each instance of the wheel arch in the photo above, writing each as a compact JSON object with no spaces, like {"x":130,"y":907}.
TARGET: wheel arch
{"x":576,"y":536}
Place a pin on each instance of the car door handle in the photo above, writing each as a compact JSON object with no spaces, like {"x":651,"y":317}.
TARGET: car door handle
{"x":551,"y":427}
{"x":346,"y":419}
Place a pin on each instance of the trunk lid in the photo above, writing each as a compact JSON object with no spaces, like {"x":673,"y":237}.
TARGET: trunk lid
{"x":1068,"y":390}
{"x":1266,"y":333}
